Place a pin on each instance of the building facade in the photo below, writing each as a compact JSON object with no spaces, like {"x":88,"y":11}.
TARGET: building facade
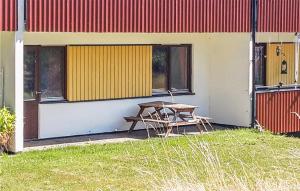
{"x":73,"y":67}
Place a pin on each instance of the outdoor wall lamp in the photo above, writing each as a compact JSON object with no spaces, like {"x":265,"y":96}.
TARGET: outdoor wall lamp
{"x":278,"y":50}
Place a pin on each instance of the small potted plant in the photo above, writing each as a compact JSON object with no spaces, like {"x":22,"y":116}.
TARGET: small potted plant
{"x":7,"y":127}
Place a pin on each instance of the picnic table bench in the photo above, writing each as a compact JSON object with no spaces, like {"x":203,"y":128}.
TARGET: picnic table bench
{"x":180,"y":114}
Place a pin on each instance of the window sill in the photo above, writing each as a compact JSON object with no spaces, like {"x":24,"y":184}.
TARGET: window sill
{"x":155,"y":95}
{"x":173,"y":93}
{"x":54,"y":101}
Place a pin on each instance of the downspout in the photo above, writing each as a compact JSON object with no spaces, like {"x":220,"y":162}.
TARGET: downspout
{"x":253,"y":38}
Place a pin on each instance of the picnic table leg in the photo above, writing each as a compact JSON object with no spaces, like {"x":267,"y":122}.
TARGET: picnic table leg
{"x":176,"y":116}
{"x":198,"y":124}
{"x":199,"y":127}
{"x":169,"y":129}
{"x":135,"y":122}
{"x":157,"y":110}
{"x":206,"y":121}
{"x":202,"y":125}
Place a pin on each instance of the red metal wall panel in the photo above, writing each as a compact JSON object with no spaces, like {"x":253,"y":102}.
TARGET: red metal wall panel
{"x":273,"y":110}
{"x":8,"y":15}
{"x":279,"y":16}
{"x":145,"y":16}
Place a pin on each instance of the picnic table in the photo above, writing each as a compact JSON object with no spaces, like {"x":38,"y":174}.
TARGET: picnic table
{"x":169,"y":115}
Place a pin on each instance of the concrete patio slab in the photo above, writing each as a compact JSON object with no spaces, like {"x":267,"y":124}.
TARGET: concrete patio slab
{"x":106,"y":138}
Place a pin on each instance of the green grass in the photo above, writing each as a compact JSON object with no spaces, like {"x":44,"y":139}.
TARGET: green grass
{"x":134,"y":165}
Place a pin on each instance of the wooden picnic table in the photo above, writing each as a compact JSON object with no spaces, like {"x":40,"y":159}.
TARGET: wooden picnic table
{"x":180,"y":114}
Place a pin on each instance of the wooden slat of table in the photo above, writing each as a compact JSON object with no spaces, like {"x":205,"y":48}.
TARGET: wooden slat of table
{"x":154,"y":104}
{"x":162,"y":104}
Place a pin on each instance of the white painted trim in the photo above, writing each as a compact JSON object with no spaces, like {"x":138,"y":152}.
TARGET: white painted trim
{"x":18,"y":107}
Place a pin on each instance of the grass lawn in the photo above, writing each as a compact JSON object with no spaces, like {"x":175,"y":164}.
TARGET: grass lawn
{"x":233,"y":160}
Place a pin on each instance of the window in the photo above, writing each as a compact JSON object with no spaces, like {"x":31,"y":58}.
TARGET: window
{"x":171,"y":68}
{"x":30,"y":56}
{"x":260,"y":65}
{"x":160,"y":69}
{"x":276,"y":64}
{"x":44,"y":73}
{"x":52,"y":73}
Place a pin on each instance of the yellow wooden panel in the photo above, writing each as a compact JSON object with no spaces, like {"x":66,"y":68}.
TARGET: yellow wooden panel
{"x":77,"y":60}
{"x":126,"y":71}
{"x":86,"y":72}
{"x":145,"y":76}
{"x":134,"y":94}
{"x":149,"y":70}
{"x":93,"y":76}
{"x":112,"y":73}
{"x":101,"y":52}
{"x":97,"y":72}
{"x":108,"y":72}
{"x":81,"y":73}
{"x":115,"y":72}
{"x":274,"y":76}
{"x":123,"y":64}
{"x":104,"y":72}
{"x":139,"y":74}
{"x":69,"y":77}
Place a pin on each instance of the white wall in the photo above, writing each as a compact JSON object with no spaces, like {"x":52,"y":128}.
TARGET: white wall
{"x":229,"y":80}
{"x":7,"y":47}
{"x":1,"y":74}
{"x":275,"y":37}
{"x":220,"y":82}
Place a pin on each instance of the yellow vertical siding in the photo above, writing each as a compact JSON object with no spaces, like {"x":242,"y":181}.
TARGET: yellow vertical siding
{"x":108,"y":72}
{"x":274,"y":76}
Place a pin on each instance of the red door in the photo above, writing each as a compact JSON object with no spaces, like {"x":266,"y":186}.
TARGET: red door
{"x":31,"y":92}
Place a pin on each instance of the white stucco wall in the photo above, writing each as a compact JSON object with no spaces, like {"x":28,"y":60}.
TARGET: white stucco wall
{"x":275,"y":37}
{"x":7,"y":48}
{"x":229,"y":81}
{"x":220,"y":81}
{"x":1,"y":72}
{"x":12,"y":82}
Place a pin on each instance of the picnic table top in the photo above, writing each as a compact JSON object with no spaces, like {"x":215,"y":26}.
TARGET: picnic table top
{"x":163,"y":104}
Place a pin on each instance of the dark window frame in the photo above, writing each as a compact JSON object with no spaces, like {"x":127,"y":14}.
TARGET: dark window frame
{"x":189,"y":69}
{"x":264,"y":67}
{"x":38,"y":73}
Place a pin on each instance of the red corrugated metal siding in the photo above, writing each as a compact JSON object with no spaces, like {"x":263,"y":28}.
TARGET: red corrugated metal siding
{"x":279,"y":16}
{"x":8,"y":15}
{"x":146,"y":16}
{"x":273,"y":111}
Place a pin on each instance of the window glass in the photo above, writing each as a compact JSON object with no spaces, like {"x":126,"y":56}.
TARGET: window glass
{"x":30,"y":58}
{"x":171,"y":68}
{"x":259,"y":66}
{"x":179,"y":68}
{"x":52,"y":73}
{"x":160,"y":69}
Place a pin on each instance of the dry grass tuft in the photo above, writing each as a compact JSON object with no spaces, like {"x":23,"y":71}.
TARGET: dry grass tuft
{"x":185,"y":171}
